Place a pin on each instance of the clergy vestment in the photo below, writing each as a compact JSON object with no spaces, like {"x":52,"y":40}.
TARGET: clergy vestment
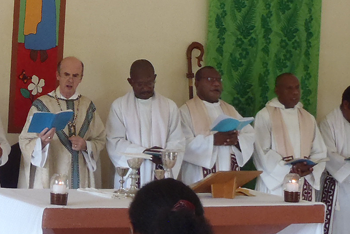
{"x":335,"y":130}
{"x":38,"y":165}
{"x":200,"y":150}
{"x":135,"y":124}
{"x":5,"y":146}
{"x":267,"y":157}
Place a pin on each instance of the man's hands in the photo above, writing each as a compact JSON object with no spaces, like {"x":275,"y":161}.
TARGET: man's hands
{"x":155,"y":159}
{"x":302,"y":169}
{"x":46,"y":136}
{"x":226,"y":138}
{"x":78,"y":143}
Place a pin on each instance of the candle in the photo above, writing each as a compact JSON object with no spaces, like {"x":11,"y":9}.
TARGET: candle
{"x":292,"y":186}
{"x":60,"y":188}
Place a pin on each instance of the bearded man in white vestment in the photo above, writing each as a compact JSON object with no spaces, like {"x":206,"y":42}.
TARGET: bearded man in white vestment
{"x":143,"y":120}
{"x":335,"y":129}
{"x":73,"y":151}
{"x":285,"y":131}
{"x":5,"y":147}
{"x":207,"y":152}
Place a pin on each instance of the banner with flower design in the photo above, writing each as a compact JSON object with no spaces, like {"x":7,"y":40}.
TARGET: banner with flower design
{"x":37,"y":47}
{"x":252,"y":42}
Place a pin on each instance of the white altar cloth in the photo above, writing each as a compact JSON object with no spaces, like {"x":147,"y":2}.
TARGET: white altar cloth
{"x":21,"y":210}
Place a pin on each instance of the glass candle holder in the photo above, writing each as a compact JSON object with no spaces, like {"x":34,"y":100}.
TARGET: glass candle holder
{"x":291,"y":187}
{"x":59,"y":189}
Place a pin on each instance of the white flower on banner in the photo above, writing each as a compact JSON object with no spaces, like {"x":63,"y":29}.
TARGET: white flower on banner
{"x":36,"y":85}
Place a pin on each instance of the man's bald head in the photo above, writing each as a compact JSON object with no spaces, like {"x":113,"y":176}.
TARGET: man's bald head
{"x":142,"y":78}
{"x":141,"y":66}
{"x":287,"y":88}
{"x":68,"y":60}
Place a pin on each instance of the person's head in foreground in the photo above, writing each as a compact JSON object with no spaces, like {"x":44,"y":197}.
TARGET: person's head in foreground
{"x":167,"y":206}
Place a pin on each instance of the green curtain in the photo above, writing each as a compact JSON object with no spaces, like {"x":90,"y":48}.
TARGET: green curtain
{"x":250,"y":42}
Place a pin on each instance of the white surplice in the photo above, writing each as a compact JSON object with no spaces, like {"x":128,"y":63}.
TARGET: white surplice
{"x":134,"y":124}
{"x":5,"y":146}
{"x":200,"y":150}
{"x":267,"y":159}
{"x":335,"y":130}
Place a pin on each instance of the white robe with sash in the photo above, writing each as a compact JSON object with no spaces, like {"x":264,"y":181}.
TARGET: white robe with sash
{"x":134,"y":125}
{"x":267,"y":159}
{"x":201,"y":152}
{"x":335,"y":130}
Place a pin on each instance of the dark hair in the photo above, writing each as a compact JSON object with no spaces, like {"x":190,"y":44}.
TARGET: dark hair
{"x":141,"y":65}
{"x":346,"y":95}
{"x":200,"y":71}
{"x":151,"y":211}
{"x":279,"y":78}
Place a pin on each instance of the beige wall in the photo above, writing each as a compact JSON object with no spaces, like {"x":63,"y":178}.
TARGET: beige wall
{"x":108,"y":35}
{"x":334,"y":74}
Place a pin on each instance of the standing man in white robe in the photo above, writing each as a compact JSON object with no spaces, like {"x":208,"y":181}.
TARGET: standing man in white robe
{"x":285,"y":131}
{"x":207,"y":152}
{"x":5,"y":147}
{"x":143,"y":120}
{"x":73,"y":151}
{"x":335,"y":129}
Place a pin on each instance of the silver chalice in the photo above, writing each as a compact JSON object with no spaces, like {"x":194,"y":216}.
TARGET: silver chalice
{"x":169,"y":160}
{"x":134,"y":164}
{"x":121,"y":171}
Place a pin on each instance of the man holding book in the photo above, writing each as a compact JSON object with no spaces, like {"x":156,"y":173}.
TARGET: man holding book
{"x":73,"y":151}
{"x":207,"y":151}
{"x":285,"y":131}
{"x":141,"y":121}
{"x":335,"y":129}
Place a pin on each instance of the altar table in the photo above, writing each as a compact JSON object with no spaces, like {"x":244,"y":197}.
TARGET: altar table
{"x":29,"y":211}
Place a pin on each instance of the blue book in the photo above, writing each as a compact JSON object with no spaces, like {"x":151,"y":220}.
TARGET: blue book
{"x":310,"y":162}
{"x":225,"y":123}
{"x":42,"y":120}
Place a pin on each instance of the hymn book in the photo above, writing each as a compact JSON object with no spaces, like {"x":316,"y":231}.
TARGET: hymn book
{"x":42,"y":120}
{"x":225,"y":123}
{"x":309,"y":161}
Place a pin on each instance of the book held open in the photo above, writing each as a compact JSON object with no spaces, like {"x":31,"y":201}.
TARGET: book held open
{"x":309,"y":161}
{"x":225,"y":123}
{"x":42,"y":120}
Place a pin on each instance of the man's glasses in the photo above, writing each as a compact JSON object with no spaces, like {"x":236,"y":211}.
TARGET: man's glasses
{"x":144,"y":84}
{"x":213,"y":79}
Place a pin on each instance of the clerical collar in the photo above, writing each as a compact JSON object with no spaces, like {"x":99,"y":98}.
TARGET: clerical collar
{"x":60,"y":96}
{"x":276,"y":103}
{"x":211,"y":104}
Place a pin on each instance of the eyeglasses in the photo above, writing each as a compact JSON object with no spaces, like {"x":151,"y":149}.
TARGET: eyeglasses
{"x":144,"y":84}
{"x":213,"y":79}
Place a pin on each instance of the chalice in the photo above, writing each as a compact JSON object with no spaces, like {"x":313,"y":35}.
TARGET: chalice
{"x":121,"y":171}
{"x":134,"y":164}
{"x":169,"y":160}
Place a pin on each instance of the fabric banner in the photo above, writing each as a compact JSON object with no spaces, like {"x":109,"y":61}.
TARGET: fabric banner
{"x":252,"y":42}
{"x":37,"y":46}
